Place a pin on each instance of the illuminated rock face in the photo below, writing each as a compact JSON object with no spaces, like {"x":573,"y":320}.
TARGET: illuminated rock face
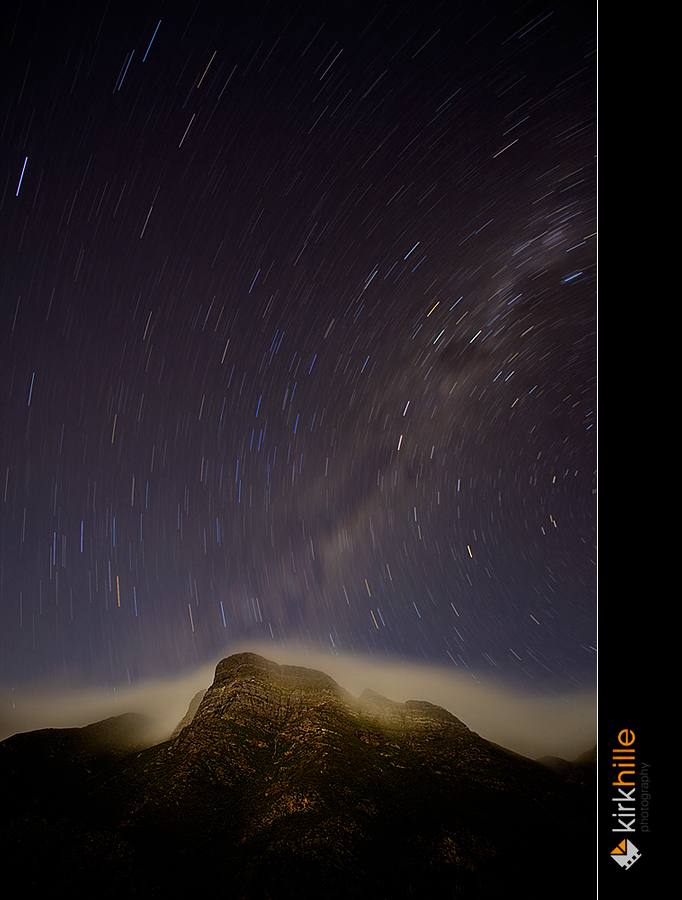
{"x":280,"y":784}
{"x":252,"y":688}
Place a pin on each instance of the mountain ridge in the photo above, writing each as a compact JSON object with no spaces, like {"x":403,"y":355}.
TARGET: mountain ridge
{"x":282,"y":784}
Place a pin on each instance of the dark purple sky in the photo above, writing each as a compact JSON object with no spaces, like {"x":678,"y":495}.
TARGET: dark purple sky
{"x":298,"y":336}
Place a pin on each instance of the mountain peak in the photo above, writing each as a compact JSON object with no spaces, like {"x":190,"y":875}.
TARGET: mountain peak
{"x":250,"y":687}
{"x":248,"y":667}
{"x":415,"y":714}
{"x":282,"y":785}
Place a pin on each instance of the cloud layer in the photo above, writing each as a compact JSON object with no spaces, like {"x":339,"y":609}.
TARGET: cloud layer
{"x":533,"y":725}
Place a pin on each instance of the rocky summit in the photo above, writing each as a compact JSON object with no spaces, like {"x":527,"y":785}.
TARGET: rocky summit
{"x":279,"y":784}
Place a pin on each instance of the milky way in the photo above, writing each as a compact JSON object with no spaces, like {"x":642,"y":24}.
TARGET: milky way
{"x":298,"y":336}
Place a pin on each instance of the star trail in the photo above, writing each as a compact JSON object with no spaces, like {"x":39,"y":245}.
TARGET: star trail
{"x":298,"y":337}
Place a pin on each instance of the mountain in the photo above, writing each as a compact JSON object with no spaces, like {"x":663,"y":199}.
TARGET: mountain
{"x":279,"y":784}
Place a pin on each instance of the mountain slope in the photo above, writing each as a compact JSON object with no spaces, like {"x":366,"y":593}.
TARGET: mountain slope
{"x":283,"y":785}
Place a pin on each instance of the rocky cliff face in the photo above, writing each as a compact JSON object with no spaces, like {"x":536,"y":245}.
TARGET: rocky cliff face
{"x":252,"y":697}
{"x":250,"y":689}
{"x":280,"y":784}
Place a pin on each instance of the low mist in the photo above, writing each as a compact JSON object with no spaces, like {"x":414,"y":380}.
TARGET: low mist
{"x":533,"y":725}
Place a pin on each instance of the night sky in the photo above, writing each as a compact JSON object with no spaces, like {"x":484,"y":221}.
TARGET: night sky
{"x":298,"y":336}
